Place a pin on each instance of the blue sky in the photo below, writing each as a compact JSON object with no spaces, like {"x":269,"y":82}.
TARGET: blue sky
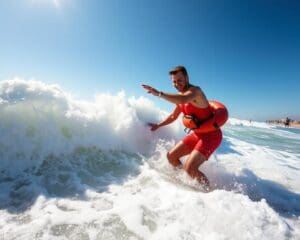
{"x":245,"y":54}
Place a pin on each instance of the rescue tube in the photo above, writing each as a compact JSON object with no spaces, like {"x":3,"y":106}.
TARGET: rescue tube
{"x":218,"y":118}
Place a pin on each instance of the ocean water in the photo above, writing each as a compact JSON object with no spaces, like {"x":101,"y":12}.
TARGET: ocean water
{"x":74,"y":169}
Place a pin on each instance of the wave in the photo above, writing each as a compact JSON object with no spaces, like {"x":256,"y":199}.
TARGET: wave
{"x":39,"y":120}
{"x":248,"y":123}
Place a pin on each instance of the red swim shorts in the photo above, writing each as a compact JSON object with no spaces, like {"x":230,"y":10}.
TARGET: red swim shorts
{"x":205,"y":143}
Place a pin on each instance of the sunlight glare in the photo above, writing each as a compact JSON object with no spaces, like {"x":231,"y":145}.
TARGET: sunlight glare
{"x":55,"y":3}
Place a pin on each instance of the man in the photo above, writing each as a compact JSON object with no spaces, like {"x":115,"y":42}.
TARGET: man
{"x":190,"y":99}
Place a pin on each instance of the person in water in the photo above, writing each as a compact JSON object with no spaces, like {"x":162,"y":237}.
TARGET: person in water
{"x":190,"y":100}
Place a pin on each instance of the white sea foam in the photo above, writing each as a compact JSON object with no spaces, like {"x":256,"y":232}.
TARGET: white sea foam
{"x":239,"y":122}
{"x":38,"y":120}
{"x":73,"y":169}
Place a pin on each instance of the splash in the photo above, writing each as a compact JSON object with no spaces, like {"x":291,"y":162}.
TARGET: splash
{"x":40,"y":120}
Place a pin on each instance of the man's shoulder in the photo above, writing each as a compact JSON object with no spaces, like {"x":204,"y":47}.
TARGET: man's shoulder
{"x":196,"y":89}
{"x":192,"y":86}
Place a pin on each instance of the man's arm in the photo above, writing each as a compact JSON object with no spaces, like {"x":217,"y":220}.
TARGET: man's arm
{"x":186,"y":97}
{"x":171,"y":118}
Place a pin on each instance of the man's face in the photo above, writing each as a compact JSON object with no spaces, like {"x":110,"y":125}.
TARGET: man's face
{"x":179,"y":81}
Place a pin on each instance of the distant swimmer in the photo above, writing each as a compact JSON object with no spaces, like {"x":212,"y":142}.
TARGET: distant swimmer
{"x":192,"y":102}
{"x":287,"y":122}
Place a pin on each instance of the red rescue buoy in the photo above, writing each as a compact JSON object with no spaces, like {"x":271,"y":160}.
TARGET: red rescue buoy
{"x":218,"y":119}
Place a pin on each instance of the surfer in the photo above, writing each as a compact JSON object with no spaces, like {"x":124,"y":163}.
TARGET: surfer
{"x":199,"y":147}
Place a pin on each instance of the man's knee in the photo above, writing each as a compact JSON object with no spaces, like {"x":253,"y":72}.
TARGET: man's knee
{"x":192,"y":164}
{"x":172,"y":159}
{"x":189,"y":168}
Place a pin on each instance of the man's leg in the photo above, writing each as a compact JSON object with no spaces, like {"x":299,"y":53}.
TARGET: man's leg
{"x":177,"y":152}
{"x":192,"y":164}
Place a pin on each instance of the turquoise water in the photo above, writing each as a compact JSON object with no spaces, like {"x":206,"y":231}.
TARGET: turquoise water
{"x":277,"y":138}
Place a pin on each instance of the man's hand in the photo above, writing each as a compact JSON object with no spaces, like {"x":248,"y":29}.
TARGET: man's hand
{"x":151,"y":90}
{"x":153,"y":126}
